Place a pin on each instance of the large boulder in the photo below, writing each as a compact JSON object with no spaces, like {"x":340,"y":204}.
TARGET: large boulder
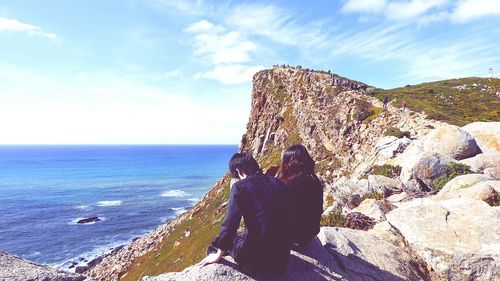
{"x":375,"y":209}
{"x":458,"y":238}
{"x":493,"y":172}
{"x":428,"y":168}
{"x":461,"y":182}
{"x":389,"y":146}
{"x":337,"y":254}
{"x":478,"y":191}
{"x":384,"y":185}
{"x":494,"y":184}
{"x":451,"y":141}
{"x":486,"y":134}
{"x":15,"y":268}
{"x":482,"y":161}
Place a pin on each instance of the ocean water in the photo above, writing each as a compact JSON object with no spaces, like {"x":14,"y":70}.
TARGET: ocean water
{"x":44,"y":190}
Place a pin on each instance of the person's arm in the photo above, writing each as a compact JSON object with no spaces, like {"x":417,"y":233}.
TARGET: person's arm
{"x":212,"y":258}
{"x":224,"y":242}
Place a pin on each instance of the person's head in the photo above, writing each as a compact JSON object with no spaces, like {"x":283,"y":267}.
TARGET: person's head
{"x":242,"y":165}
{"x":295,"y":162}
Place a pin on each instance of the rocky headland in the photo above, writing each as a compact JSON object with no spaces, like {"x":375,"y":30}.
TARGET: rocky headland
{"x":407,"y":196}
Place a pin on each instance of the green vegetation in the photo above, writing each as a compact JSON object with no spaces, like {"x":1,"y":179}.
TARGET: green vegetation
{"x":493,"y":200}
{"x":336,"y":218}
{"x":375,"y":112}
{"x":449,"y":101}
{"x":453,"y":170}
{"x":395,"y":132}
{"x":179,"y":250}
{"x":374,"y":195}
{"x":386,"y":170}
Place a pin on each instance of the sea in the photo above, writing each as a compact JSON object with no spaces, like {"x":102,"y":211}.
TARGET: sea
{"x":45,"y":190}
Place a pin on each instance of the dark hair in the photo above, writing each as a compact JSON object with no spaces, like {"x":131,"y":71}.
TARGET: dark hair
{"x":245,"y":163}
{"x":296,"y":162}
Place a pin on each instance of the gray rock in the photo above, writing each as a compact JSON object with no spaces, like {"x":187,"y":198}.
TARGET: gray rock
{"x":451,"y":141}
{"x":486,"y":134}
{"x":337,"y":254}
{"x":461,"y":182}
{"x":458,"y":238}
{"x":375,"y":209}
{"x":428,"y":168}
{"x":482,"y":161}
{"x":384,"y":185}
{"x":493,"y":172}
{"x":389,"y":146}
{"x":15,"y":268}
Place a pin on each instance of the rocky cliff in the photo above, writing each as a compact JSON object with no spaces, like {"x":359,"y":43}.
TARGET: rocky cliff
{"x":427,"y":191}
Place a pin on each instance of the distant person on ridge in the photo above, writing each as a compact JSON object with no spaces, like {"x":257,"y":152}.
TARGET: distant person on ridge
{"x":386,"y":102}
{"x":403,"y":106}
{"x":263,"y":202}
{"x":297,"y":172}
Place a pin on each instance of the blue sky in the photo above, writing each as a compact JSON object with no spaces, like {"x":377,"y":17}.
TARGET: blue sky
{"x":171,"y":71}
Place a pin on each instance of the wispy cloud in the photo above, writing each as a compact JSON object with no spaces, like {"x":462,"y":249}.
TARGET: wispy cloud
{"x":426,"y":11}
{"x":231,"y":74}
{"x":13,"y":25}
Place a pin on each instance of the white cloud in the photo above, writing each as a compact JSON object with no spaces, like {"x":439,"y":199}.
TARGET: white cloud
{"x":13,"y":25}
{"x":220,"y":47}
{"x":426,"y":11}
{"x":468,"y":10}
{"x":176,"y":73}
{"x":204,"y":26}
{"x":277,"y":25}
{"x":108,"y":109}
{"x":364,"y":6}
{"x":231,"y":74}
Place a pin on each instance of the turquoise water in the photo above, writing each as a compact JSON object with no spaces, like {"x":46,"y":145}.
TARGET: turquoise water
{"x":44,"y":190}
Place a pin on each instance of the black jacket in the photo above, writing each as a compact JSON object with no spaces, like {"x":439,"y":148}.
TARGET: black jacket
{"x":264,"y":203}
{"x":307,"y":207}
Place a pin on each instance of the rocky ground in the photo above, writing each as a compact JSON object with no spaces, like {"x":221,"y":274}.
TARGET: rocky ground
{"x":448,"y":234}
{"x":13,"y":268}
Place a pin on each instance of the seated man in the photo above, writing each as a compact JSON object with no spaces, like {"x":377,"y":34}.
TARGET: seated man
{"x":264,"y":203}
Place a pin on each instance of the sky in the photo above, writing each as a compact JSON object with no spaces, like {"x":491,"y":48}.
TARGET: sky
{"x":179,"y":71}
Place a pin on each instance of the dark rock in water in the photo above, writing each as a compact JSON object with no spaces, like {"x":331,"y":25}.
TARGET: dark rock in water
{"x":81,"y":269}
{"x":358,"y":221}
{"x":89,"y":220}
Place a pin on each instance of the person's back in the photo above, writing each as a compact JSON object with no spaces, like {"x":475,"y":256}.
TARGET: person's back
{"x":264,"y":203}
{"x":307,"y":202}
{"x":265,"y":206}
{"x":297,"y":172}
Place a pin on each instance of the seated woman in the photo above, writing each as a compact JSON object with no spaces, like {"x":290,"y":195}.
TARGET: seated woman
{"x":297,"y":172}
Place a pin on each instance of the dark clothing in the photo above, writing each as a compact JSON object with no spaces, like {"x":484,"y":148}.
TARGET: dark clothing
{"x":264,"y":203}
{"x":307,"y":204}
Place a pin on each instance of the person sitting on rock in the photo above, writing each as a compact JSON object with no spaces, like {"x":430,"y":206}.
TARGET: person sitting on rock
{"x":297,"y":172}
{"x":264,"y":203}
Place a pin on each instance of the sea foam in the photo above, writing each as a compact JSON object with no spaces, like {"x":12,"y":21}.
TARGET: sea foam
{"x":174,"y":193}
{"x":109,"y":203}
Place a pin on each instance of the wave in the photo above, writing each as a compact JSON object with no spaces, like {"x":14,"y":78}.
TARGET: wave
{"x":193,"y":199}
{"x":109,"y":203}
{"x":178,"y":211}
{"x":83,"y":208}
{"x":175,"y":193}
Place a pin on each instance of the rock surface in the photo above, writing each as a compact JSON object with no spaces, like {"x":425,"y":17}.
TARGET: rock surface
{"x":482,"y":161}
{"x":375,"y":209}
{"x":486,"y":134}
{"x":493,"y":172}
{"x":451,"y":141}
{"x":459,"y":238}
{"x":461,"y":182}
{"x":428,"y":168}
{"x":337,"y":254}
{"x":13,"y":268}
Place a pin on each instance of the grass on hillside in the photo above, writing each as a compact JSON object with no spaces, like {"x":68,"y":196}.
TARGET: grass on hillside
{"x":444,"y":101}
